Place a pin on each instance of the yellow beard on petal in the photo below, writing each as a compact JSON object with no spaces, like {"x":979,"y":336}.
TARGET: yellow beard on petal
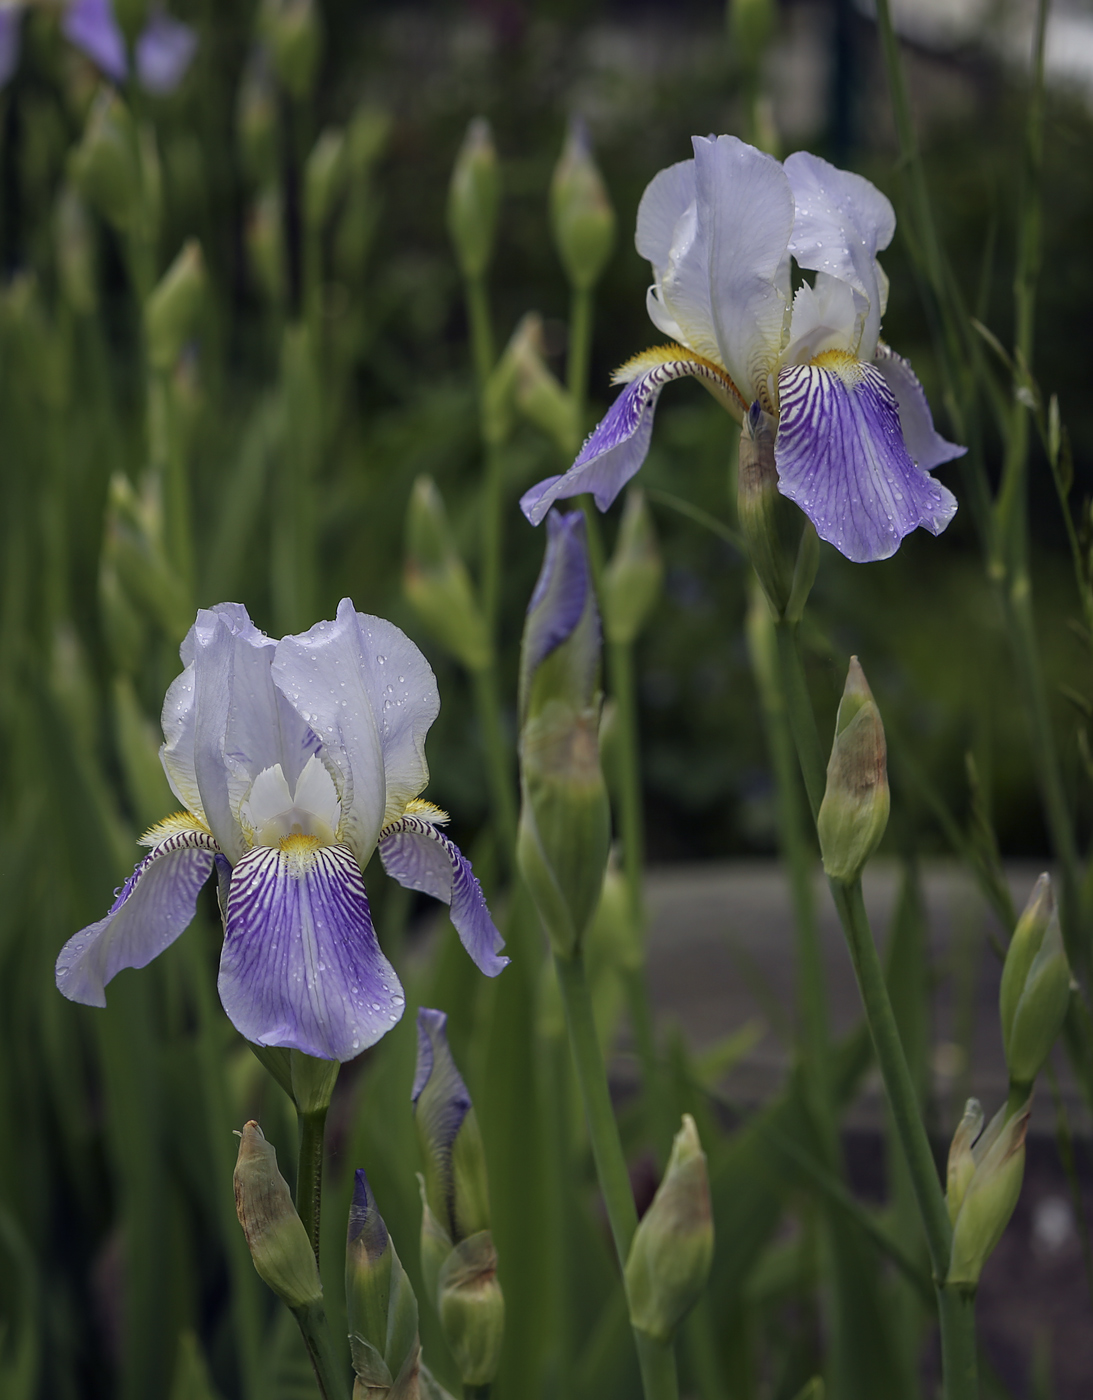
{"x":848,"y":367}
{"x":709,"y":374}
{"x":171,"y":826}
{"x":299,"y":849}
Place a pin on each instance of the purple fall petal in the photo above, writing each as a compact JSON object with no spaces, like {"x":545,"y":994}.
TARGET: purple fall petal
{"x":441,"y":1102}
{"x":301,"y":967}
{"x":91,"y":26}
{"x":164,"y":52}
{"x":153,"y":907}
{"x":841,"y":457}
{"x":925,"y":444}
{"x":417,"y":854}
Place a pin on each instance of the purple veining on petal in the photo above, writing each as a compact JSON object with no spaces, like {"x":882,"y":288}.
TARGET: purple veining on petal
{"x":10,"y":20}
{"x":164,"y":52}
{"x":614,"y":451}
{"x":91,"y":26}
{"x":151,"y":909}
{"x":841,"y":457}
{"x":301,"y":966}
{"x":420,"y":856}
{"x":925,"y":444}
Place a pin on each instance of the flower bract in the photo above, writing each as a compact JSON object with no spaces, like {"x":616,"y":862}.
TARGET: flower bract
{"x":855,"y":440}
{"x":294,"y":760}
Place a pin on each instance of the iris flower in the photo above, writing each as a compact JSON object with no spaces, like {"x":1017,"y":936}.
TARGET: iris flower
{"x":855,"y":441}
{"x":294,"y":760}
{"x":163,"y":51}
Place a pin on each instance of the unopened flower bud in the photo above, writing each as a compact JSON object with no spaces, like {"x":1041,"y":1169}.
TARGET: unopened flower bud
{"x":324,"y":177}
{"x":522,"y":380}
{"x":380,"y":1305}
{"x":472,"y":1308}
{"x":633,"y":578}
{"x":989,"y":1196}
{"x":961,"y":1167}
{"x":670,"y":1258}
{"x":1035,"y":986}
{"x":105,"y":166}
{"x":451,"y":1142}
{"x":565,"y":830}
{"x":770,"y":524}
{"x":171,"y":311}
{"x":265,"y":243}
{"x":276,"y":1237}
{"x":292,"y":30}
{"x":256,"y":119}
{"x":436,"y":580}
{"x":854,"y":811}
{"x":581,"y":215}
{"x":474,"y":197}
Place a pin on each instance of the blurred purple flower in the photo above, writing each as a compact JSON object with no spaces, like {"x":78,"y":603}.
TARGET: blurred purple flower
{"x":164,"y":52}
{"x":91,"y":26}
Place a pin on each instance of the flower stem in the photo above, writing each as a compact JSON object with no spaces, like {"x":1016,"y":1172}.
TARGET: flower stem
{"x":959,"y":1359}
{"x":316,"y":1334}
{"x":658,"y":1372}
{"x":580,"y":352}
{"x":498,"y":761}
{"x":309,"y":1177}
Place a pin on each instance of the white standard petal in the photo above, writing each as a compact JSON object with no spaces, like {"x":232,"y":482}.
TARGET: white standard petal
{"x":825,"y":317}
{"x":679,"y":303}
{"x":152,"y":908}
{"x":370,"y":696}
{"x":746,"y":209}
{"x":840,"y":456}
{"x":177,"y":750}
{"x":925,"y":444}
{"x":666,"y":199}
{"x":841,"y":223}
{"x":418,"y":855}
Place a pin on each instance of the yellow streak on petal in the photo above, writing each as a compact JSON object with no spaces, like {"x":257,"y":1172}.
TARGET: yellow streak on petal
{"x":171,"y":826}
{"x":427,"y":811}
{"x":848,"y":367}
{"x":708,"y":372}
{"x":299,"y":850}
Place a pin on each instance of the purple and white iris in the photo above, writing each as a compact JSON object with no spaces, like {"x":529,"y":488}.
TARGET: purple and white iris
{"x":164,"y":49}
{"x":855,"y":440}
{"x":294,"y":761}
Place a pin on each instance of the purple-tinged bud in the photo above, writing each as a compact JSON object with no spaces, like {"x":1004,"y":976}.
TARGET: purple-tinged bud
{"x":1035,"y":987}
{"x":565,"y":829}
{"x":380,"y":1306}
{"x":581,"y":215}
{"x":474,"y":199}
{"x":670,"y":1258}
{"x":854,"y":810}
{"x":276,"y":1237}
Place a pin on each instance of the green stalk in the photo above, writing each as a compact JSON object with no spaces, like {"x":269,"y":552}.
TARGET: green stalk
{"x":657,"y":1362}
{"x":580,"y":354}
{"x":498,"y":760}
{"x":309,"y":1176}
{"x":320,"y":1347}
{"x":957,"y":1319}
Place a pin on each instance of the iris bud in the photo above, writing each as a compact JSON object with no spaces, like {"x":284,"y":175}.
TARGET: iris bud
{"x":854,"y":810}
{"x":770,"y":524}
{"x":265,"y":243}
{"x":291,"y":29}
{"x":324,"y":177}
{"x":106,"y":164}
{"x":565,"y":828}
{"x":1035,"y":986}
{"x":276,"y":1237}
{"x":581,"y":215}
{"x":172,"y":309}
{"x":670,"y":1258}
{"x":380,"y":1306}
{"x":474,"y":197}
{"x":458,"y":1258}
{"x":522,"y":380}
{"x":961,"y":1166}
{"x":989,"y":1192}
{"x":437,"y":583}
{"x":256,"y":119}
{"x":633,"y":578}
